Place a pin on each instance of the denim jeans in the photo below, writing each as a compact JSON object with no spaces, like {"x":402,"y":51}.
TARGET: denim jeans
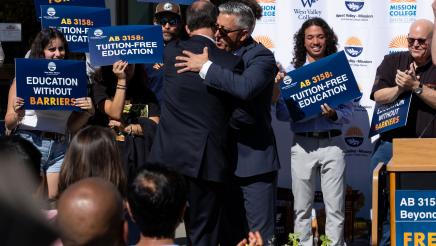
{"x":52,"y":151}
{"x":383,"y":153}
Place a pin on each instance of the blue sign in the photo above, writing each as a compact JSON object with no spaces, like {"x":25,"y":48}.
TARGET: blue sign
{"x":74,"y":22}
{"x":47,"y":84}
{"x":328,"y":80}
{"x":83,"y":3}
{"x":415,"y":217}
{"x":135,"y":44}
{"x":185,"y":2}
{"x":390,"y":116}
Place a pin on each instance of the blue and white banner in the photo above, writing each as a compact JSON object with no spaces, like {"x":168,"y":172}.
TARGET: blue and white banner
{"x":415,"y":217}
{"x":74,"y":22}
{"x":83,"y":3}
{"x":356,"y":24}
{"x":47,"y":84}
{"x":328,"y":80}
{"x":184,"y":2}
{"x":134,"y":44}
{"x":390,"y":116}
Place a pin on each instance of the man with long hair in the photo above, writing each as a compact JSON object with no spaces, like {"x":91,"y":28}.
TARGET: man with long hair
{"x":317,"y":146}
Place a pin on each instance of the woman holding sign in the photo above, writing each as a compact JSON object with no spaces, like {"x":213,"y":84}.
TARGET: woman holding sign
{"x":47,"y":129}
{"x":130,"y":108}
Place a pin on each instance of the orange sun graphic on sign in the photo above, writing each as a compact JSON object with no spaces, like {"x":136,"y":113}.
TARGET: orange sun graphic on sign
{"x":399,"y":41}
{"x":265,"y":40}
{"x":353,"y":41}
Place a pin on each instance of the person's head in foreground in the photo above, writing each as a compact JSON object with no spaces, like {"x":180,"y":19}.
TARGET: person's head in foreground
{"x":156,"y":201}
{"x":91,"y":212}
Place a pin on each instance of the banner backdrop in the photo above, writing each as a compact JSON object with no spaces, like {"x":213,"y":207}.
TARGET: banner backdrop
{"x":47,"y":84}
{"x":74,"y":22}
{"x":367,"y":30}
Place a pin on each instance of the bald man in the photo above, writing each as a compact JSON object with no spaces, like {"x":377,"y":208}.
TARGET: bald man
{"x":90,"y":212}
{"x":399,"y":75}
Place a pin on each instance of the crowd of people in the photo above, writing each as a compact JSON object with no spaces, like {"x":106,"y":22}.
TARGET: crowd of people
{"x":191,"y":139}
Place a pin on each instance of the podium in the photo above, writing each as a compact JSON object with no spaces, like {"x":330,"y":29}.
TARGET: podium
{"x":412,"y":189}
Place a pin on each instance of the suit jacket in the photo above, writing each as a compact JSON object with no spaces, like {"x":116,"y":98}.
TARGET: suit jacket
{"x":251,"y":121}
{"x":191,"y":136}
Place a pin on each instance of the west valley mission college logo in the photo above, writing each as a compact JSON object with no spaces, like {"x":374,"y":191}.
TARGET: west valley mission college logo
{"x":307,"y":10}
{"x":51,"y":14}
{"x":354,"y":137}
{"x":51,"y":66}
{"x":354,"y":6}
{"x":354,"y":48}
{"x":354,"y":11}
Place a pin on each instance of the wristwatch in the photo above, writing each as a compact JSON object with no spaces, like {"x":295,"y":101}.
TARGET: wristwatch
{"x":418,"y":90}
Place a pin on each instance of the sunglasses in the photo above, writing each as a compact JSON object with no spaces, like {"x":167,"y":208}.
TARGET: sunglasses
{"x":224,"y":32}
{"x":421,"y":41}
{"x":172,"y":21}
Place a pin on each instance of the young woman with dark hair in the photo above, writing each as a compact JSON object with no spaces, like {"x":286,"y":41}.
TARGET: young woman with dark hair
{"x":47,"y":129}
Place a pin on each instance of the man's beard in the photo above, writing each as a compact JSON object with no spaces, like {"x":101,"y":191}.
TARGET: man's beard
{"x":167,"y":36}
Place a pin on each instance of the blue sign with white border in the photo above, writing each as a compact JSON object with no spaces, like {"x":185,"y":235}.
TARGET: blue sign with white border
{"x":415,"y":217}
{"x":390,"y":116}
{"x":133,"y":43}
{"x":328,"y":80}
{"x":74,"y":22}
{"x":83,"y":3}
{"x":47,"y":84}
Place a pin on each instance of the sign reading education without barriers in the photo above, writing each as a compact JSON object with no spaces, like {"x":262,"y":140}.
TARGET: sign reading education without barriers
{"x":328,"y":80}
{"x":415,"y":217}
{"x":74,"y":22}
{"x":132,"y":43}
{"x":83,"y":3}
{"x":390,"y":116}
{"x":47,"y":84}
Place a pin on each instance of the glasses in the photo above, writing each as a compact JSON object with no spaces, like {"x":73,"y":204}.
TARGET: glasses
{"x":421,"y":41}
{"x":172,"y":21}
{"x":224,"y":32}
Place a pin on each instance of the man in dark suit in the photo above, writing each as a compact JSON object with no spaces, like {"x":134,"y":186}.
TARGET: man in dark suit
{"x":257,"y":160}
{"x":191,"y":136}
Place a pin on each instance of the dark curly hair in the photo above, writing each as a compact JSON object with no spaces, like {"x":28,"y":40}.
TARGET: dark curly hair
{"x":43,"y":39}
{"x":300,"y":51}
